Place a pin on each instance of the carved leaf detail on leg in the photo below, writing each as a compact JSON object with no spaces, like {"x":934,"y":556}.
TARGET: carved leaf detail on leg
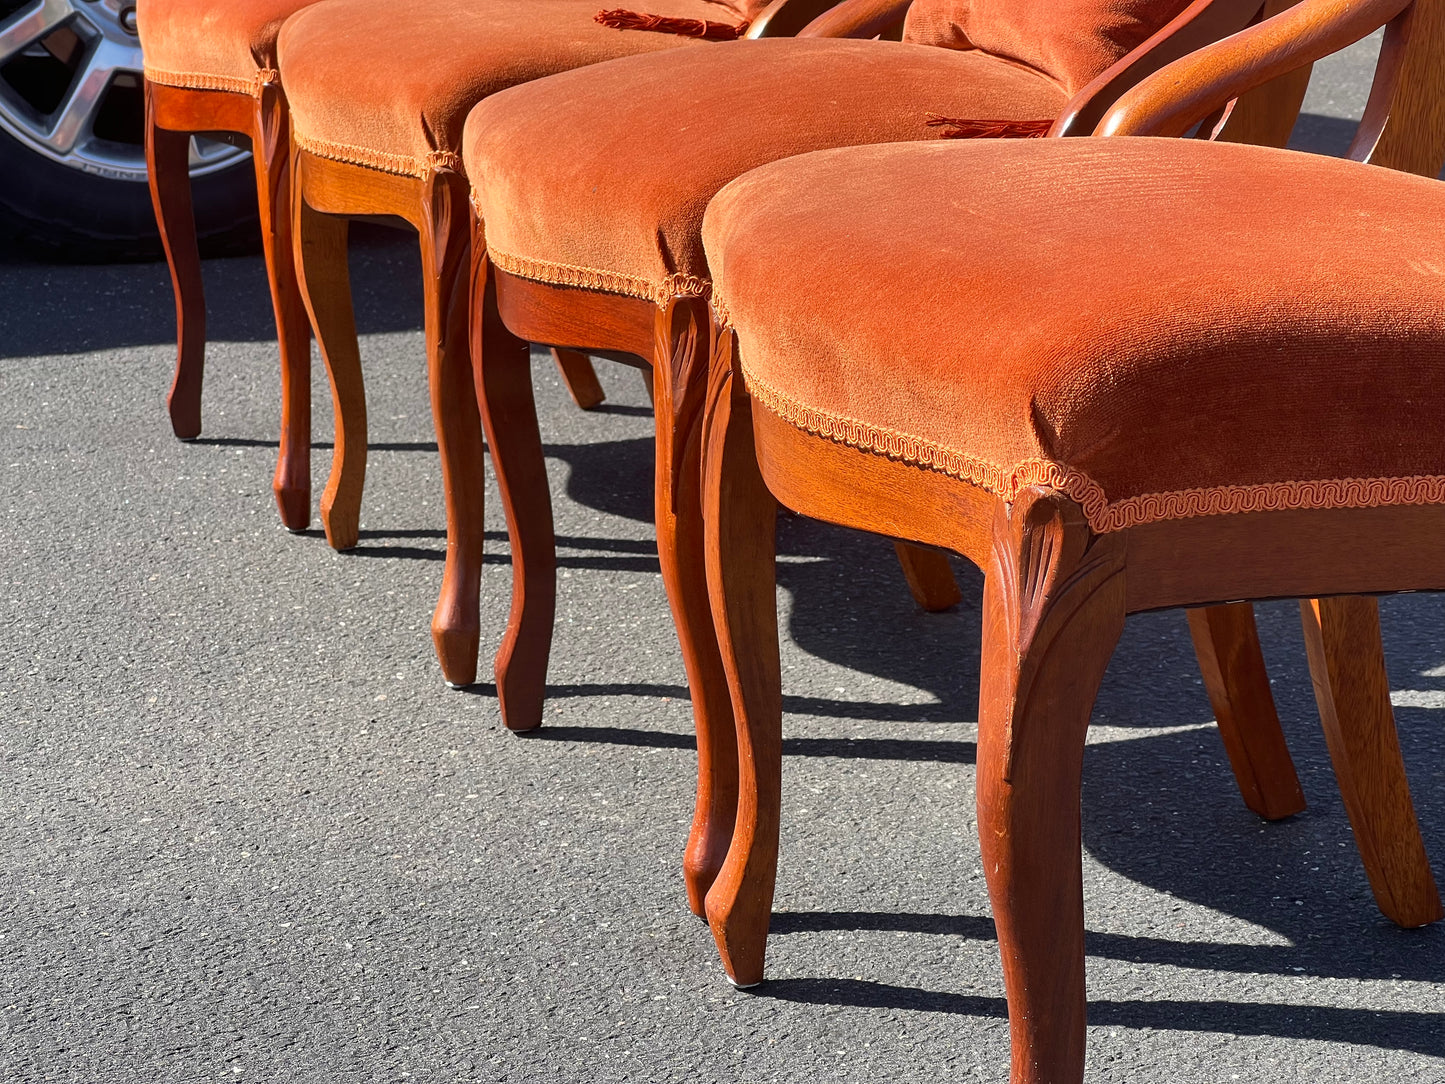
{"x":1047,"y":565}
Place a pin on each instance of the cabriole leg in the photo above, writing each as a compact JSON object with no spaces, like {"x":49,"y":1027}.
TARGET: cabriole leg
{"x":680,"y":367}
{"x":741,"y":521}
{"x":325,"y":284}
{"x":1226,"y":642}
{"x":446,"y":240}
{"x":503,"y":375}
{"x":1347,"y":665}
{"x":930,"y":577}
{"x":272,"y":156}
{"x":580,"y":378}
{"x":168,"y":160}
{"x":1053,"y":611}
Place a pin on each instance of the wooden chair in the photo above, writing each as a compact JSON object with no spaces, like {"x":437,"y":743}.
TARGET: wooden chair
{"x":592,"y":185}
{"x":1222,"y":381}
{"x":377,"y":123}
{"x":212,"y":68}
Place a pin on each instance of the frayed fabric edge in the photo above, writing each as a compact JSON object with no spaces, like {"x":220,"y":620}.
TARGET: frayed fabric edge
{"x":403,"y":165}
{"x":1104,"y":516}
{"x":231,"y":84}
{"x":591,"y":278}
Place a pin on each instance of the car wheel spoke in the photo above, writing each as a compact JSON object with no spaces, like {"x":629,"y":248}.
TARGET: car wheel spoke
{"x":76,"y":115}
{"x":106,"y":49}
{"x":26,"y":27}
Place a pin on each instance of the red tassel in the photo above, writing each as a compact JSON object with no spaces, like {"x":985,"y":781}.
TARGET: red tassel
{"x":622,"y":19}
{"x":990,"y":129}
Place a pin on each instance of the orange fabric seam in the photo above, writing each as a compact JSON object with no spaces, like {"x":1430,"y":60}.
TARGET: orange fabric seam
{"x":1104,"y":516}
{"x":200,"y":81}
{"x":404,"y":165}
{"x":591,"y":278}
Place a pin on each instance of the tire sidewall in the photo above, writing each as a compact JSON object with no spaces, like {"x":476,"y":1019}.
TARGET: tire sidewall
{"x":56,"y":211}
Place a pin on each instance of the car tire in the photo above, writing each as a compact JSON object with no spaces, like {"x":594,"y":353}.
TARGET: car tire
{"x":52,"y":211}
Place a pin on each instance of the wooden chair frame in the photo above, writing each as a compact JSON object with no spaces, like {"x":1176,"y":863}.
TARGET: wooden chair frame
{"x":326,"y":194}
{"x":1056,"y":594}
{"x":173,"y":115}
{"x":671,"y":340}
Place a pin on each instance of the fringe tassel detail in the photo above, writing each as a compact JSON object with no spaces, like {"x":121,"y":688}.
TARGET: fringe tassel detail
{"x":622,"y":19}
{"x":990,"y":129}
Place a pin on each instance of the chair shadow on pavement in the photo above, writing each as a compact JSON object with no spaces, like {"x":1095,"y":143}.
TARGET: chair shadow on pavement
{"x":1160,"y":804}
{"x":82,"y":307}
{"x":1419,"y":1033}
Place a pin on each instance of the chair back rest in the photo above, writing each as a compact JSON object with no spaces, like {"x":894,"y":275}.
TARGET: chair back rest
{"x":1403,"y":126}
{"x":1070,"y":41}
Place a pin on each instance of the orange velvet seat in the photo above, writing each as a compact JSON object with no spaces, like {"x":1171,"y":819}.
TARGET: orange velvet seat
{"x":612,"y":197}
{"x":1288,"y":375}
{"x":205,"y":45}
{"x":363,"y":93}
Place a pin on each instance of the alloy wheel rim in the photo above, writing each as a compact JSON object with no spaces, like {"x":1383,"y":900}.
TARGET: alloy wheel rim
{"x":71,"y":88}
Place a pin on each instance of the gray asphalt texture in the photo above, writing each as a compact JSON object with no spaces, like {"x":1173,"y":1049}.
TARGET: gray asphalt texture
{"x":246,"y":833}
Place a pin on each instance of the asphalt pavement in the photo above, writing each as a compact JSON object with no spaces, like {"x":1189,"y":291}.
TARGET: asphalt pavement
{"x":247,"y":834}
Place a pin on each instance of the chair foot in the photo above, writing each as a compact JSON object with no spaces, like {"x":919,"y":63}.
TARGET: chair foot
{"x":456,"y":648}
{"x":295,"y":508}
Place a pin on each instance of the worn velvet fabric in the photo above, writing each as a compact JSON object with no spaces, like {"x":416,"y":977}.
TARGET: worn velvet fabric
{"x":600,"y":177}
{"x":1071,"y":41}
{"x":1160,"y":328}
{"x":389,"y":85}
{"x":212,"y":44}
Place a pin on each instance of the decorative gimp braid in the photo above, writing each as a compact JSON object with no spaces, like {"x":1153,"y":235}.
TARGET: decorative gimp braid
{"x":592,"y":278}
{"x":1104,"y":516}
{"x":229,"y":83}
{"x":404,"y":165}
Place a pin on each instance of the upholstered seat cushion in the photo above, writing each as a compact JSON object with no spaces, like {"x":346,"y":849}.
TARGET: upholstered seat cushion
{"x":1161,"y":328}
{"x":600,"y":177}
{"x":390,"y":86}
{"x":212,"y":45}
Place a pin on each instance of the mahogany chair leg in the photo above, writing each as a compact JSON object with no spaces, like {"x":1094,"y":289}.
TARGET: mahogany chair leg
{"x":580,"y":378}
{"x":169,"y":167}
{"x":1053,"y":610}
{"x":741,"y":521}
{"x":503,"y":375}
{"x":929,"y":576}
{"x":680,"y":371}
{"x":446,"y":240}
{"x":1347,"y":665}
{"x":325,"y":284}
{"x":1226,"y":642}
{"x":272,"y":151}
